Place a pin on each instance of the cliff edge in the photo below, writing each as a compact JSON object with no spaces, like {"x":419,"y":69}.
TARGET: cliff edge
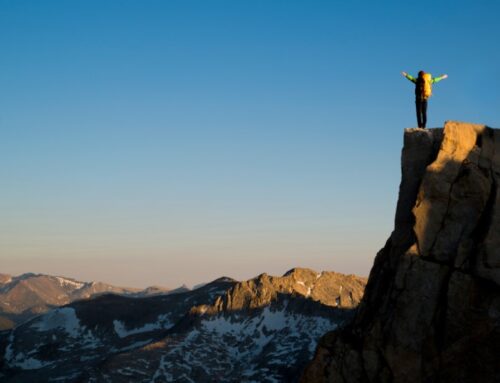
{"x":431,"y":309}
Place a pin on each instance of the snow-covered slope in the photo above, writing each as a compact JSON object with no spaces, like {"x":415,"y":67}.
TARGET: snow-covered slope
{"x":270,"y":344}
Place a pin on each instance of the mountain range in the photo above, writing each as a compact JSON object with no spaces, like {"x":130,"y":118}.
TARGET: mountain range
{"x":25,"y":296}
{"x":263,"y":329}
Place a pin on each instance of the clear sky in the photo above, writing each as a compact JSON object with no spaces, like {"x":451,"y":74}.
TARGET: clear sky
{"x":168,"y":142}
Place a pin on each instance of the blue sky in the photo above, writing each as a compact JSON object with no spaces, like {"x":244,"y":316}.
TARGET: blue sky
{"x":168,"y":142}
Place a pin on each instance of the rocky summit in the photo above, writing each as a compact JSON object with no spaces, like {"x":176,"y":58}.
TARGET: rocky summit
{"x":431,"y":309}
{"x":261,"y":330}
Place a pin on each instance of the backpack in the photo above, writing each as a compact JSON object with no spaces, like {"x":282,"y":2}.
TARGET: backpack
{"x":425,"y":86}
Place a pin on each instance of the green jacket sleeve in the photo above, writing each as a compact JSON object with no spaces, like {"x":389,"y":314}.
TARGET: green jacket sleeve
{"x":437,"y":79}
{"x":411,"y":78}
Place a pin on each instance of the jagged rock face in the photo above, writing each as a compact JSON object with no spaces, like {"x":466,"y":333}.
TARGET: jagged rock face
{"x":263,"y":329}
{"x":431,"y":310}
{"x":329,"y":288}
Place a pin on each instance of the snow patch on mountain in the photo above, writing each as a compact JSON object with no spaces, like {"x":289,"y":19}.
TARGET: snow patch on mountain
{"x":20,"y":359}
{"x":226,"y":346}
{"x":27,"y":363}
{"x":122,"y":332}
{"x":163,"y":322}
{"x":132,"y":346}
{"x":64,"y":318}
{"x":66,"y":378}
{"x":309,"y":289}
{"x":264,"y":327}
{"x":64,"y":282}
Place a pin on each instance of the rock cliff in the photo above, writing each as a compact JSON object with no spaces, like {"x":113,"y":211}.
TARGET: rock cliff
{"x":431,"y":309}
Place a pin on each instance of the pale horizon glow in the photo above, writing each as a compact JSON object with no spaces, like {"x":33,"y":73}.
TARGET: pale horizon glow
{"x":169,"y":143}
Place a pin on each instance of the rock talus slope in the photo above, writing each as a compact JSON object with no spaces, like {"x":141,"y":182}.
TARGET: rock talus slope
{"x":431,"y":309}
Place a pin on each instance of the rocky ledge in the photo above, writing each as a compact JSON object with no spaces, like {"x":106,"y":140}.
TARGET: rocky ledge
{"x":431,"y":309}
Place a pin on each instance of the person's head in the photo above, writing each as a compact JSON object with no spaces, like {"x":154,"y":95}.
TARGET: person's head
{"x":421,"y":73}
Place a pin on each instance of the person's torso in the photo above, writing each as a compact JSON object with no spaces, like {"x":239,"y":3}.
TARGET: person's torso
{"x":423,"y":87}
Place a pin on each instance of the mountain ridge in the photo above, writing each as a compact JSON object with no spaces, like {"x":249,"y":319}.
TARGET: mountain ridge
{"x":263,"y":328}
{"x":30,"y":294}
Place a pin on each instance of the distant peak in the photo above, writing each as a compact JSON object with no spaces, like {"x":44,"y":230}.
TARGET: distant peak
{"x":301,"y":271}
{"x":155,"y":287}
{"x":224,"y":279}
{"x":27,"y":275}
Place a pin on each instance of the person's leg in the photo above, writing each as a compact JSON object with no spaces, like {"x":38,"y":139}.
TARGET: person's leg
{"x":417,"y":107}
{"x":424,"y":113}
{"x":419,"y":114}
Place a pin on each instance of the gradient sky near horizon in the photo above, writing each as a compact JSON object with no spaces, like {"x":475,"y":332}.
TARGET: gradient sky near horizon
{"x":169,"y":142}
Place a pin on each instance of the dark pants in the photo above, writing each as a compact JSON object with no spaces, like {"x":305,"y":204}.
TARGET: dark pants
{"x":421,"y":112}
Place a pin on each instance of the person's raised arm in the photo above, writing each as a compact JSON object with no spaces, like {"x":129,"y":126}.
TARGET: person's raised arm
{"x":437,"y":79}
{"x":409,"y":77}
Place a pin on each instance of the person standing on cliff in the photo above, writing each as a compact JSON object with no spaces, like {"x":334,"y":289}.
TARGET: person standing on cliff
{"x":423,"y":90}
